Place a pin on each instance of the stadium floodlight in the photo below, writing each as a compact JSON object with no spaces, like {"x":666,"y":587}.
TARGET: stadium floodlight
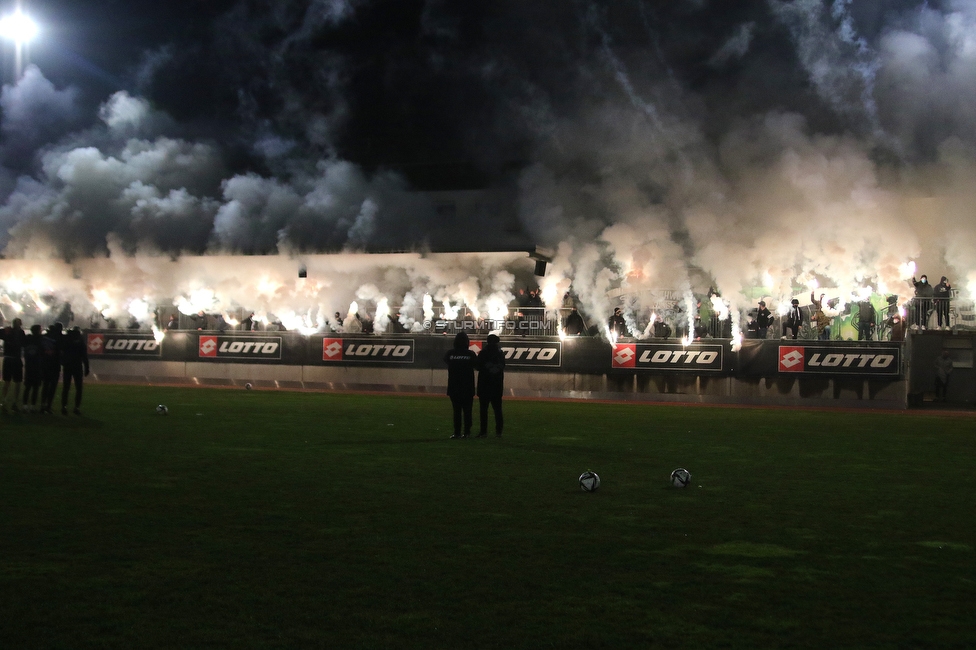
{"x":18,"y":27}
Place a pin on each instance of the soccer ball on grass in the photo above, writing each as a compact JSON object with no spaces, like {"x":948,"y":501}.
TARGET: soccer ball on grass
{"x":589,"y":481}
{"x":680,"y":477}
{"x":162,"y":410}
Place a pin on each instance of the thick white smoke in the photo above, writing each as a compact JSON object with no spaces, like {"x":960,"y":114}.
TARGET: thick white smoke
{"x":639,"y":180}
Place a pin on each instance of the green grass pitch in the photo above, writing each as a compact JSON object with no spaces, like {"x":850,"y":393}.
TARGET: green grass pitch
{"x":256,"y":519}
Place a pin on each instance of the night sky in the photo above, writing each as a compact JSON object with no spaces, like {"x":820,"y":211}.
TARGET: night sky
{"x":258,"y":126}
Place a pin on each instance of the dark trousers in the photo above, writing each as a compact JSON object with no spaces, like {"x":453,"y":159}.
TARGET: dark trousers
{"x":761,"y":332}
{"x":32,"y":385}
{"x":462,"y":406}
{"x":795,"y":328}
{"x":78,"y":374}
{"x":496,"y":405}
{"x":51,"y":377}
{"x":942,"y":311}
{"x":922,"y":307}
{"x":864,"y":331}
{"x":941,"y":387}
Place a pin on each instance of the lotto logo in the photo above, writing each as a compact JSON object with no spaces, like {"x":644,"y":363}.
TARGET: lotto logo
{"x":331,"y":349}
{"x":96,"y":343}
{"x":790,"y":358}
{"x":476,"y":346}
{"x":208,"y":346}
{"x":624,"y":355}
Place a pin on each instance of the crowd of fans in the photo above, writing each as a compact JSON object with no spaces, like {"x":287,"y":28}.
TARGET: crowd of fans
{"x":529,"y":315}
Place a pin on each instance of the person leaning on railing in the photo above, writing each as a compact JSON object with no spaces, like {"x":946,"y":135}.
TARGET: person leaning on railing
{"x":923,"y":301}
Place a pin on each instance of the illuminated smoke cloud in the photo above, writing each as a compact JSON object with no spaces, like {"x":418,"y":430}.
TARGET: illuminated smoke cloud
{"x":796,"y":146}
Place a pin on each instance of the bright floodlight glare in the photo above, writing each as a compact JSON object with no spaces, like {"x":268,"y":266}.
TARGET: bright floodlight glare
{"x":18,"y":28}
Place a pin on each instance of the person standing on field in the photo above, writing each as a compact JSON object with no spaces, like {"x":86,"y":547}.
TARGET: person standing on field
{"x":74,"y":356}
{"x":491,"y":384}
{"x":32,"y":368}
{"x":460,"y":383}
{"x":14,"y":338}
{"x":51,"y":344}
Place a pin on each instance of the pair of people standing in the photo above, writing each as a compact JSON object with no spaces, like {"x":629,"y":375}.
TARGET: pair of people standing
{"x":461,"y":364}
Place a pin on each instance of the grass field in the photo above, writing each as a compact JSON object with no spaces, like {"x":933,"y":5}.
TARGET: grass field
{"x":276,"y":519}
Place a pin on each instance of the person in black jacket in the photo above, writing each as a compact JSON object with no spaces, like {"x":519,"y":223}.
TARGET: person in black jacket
{"x":33,"y":376}
{"x":574,"y":323}
{"x":793,"y":319}
{"x":764,"y":318}
{"x":74,"y":356}
{"x":491,"y":384}
{"x":13,"y":362}
{"x":922,"y":303}
{"x":942,"y":293}
{"x":617,"y":325}
{"x":51,"y":344}
{"x":460,"y":383}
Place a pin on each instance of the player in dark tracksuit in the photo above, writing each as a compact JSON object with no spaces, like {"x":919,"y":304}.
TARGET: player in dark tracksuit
{"x":491,"y":383}
{"x":13,"y":362}
{"x":460,"y":383}
{"x":74,"y":357}
{"x":33,"y":375}
{"x":51,"y":343}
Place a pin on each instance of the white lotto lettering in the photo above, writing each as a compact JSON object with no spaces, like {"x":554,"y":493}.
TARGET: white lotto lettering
{"x":864,"y":359}
{"x":832,"y":360}
{"x":270,"y":348}
{"x":849,"y":359}
{"x":883,"y":361}
{"x":532,"y":353}
{"x":661,"y":356}
{"x":706,"y":358}
{"x":223,"y":347}
{"x":363,"y":350}
{"x":235,"y":347}
{"x":247,"y":346}
{"x":401,"y":350}
{"x":676,"y":357}
{"x":547,"y":354}
{"x":690,"y":356}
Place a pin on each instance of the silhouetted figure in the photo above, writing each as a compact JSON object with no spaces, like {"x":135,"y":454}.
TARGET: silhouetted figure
{"x":574,"y":323}
{"x":865,"y":320}
{"x":943,"y":368}
{"x":764,"y":318}
{"x":33,"y":374}
{"x":51,"y":343}
{"x":942,"y":293}
{"x":460,"y":383}
{"x":923,"y":301}
{"x":491,"y":383}
{"x":794,"y":319}
{"x":14,"y":338}
{"x":617,"y":325}
{"x":74,"y":357}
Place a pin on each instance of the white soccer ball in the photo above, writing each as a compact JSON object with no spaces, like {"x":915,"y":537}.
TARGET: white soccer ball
{"x":162,"y":410}
{"x":589,"y":481}
{"x":248,"y":386}
{"x":680,"y":477}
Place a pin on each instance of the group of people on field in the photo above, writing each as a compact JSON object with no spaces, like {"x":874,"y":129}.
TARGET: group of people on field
{"x":37,"y":360}
{"x":461,"y":364}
